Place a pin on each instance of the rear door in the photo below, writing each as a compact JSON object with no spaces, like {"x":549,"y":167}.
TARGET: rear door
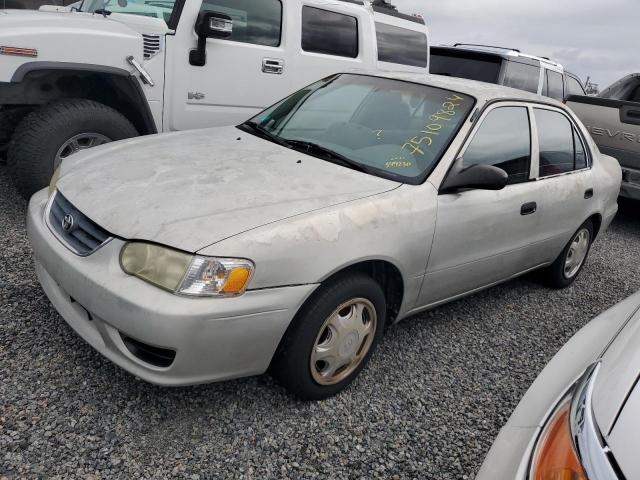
{"x":553,"y":85}
{"x":329,"y":38}
{"x":563,"y":177}
{"x":484,"y":237}
{"x":243,"y":74}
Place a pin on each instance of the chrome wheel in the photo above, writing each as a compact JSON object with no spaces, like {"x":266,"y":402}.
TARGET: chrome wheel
{"x":79,"y":142}
{"x":577,"y":253}
{"x":343,"y":341}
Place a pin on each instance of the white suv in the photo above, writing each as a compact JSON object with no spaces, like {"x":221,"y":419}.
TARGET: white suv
{"x":76,"y":77}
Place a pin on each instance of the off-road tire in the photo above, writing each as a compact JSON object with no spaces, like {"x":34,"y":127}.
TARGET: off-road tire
{"x":39,"y":136}
{"x":290,"y":366}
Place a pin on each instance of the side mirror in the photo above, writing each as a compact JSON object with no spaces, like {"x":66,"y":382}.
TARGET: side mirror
{"x":209,"y":25}
{"x":480,"y":177}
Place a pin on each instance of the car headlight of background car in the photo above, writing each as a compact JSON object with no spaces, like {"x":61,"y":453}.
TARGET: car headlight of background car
{"x":571,"y":444}
{"x":184,"y":273}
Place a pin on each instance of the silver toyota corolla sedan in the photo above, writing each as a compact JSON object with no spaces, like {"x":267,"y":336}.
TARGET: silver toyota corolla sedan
{"x":290,"y":241}
{"x":581,"y":417}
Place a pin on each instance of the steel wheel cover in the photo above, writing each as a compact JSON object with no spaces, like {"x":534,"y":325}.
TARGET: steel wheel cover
{"x":343,"y":341}
{"x":577,"y":253}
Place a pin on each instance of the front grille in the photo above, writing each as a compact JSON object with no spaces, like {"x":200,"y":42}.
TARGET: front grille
{"x":78,"y":232}
{"x":151,"y":45}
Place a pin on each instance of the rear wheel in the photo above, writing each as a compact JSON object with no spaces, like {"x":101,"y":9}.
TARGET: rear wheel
{"x":564,"y":271}
{"x":48,"y":135}
{"x":332,"y":338}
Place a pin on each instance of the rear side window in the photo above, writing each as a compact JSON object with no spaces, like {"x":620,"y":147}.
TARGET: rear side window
{"x":553,"y":85}
{"x":399,"y":45}
{"x":574,"y":87}
{"x":504,"y":141}
{"x":259,"y":23}
{"x":471,"y":68}
{"x":328,"y":32}
{"x":561,"y":149}
{"x":522,"y":76}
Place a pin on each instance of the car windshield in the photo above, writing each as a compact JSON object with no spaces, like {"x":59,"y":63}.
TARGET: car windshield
{"x":161,"y":9}
{"x":390,"y":128}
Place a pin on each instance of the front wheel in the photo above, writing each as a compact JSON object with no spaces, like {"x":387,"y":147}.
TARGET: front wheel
{"x":332,"y":338}
{"x":48,"y":135}
{"x":564,"y":271}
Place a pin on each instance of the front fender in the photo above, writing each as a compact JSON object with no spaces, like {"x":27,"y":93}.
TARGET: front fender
{"x":395,"y":226}
{"x":68,"y":38}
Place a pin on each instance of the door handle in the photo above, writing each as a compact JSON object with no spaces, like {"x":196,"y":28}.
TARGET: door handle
{"x":274,"y":66}
{"x":529,"y":208}
{"x":588,"y":194}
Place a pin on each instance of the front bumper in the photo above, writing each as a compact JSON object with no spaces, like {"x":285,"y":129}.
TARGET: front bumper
{"x":213,"y":338}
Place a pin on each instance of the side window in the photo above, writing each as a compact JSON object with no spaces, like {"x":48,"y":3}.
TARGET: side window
{"x":328,"y":32}
{"x":553,"y":85}
{"x":259,"y":23}
{"x":402,"y":46}
{"x":574,"y":87}
{"x":504,"y":141}
{"x":557,"y":137}
{"x":522,"y":76}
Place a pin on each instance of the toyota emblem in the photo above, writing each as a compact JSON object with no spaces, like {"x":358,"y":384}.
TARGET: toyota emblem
{"x":67,"y":222}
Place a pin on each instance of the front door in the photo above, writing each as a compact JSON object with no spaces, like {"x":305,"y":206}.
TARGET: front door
{"x":483,"y":237}
{"x":243,"y":74}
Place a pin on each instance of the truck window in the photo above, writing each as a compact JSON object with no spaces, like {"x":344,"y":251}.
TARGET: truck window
{"x":402,"y":46}
{"x":553,"y":85}
{"x":557,"y":143}
{"x":471,"y":67}
{"x":574,"y":87}
{"x":329,"y":32}
{"x":259,"y":23}
{"x":522,"y":76}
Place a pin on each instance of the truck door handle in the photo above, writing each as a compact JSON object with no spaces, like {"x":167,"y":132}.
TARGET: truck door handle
{"x":630,"y":115}
{"x":529,"y":208}
{"x":274,"y":66}
{"x":588,"y":194}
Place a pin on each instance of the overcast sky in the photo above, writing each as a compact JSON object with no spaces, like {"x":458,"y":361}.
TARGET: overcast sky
{"x":597,"y":38}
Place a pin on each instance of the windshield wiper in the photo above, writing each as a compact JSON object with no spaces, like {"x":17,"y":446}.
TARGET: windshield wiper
{"x":328,"y":154}
{"x":264,"y":133}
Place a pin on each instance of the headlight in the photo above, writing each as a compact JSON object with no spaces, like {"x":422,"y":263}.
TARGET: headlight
{"x":54,"y":181}
{"x":555,"y":457}
{"x":184,"y":273}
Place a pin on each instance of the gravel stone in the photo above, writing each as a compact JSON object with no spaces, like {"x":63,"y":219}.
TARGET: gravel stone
{"x":428,"y":407}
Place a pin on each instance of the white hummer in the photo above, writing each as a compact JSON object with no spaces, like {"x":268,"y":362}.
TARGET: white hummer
{"x":75,"y":77}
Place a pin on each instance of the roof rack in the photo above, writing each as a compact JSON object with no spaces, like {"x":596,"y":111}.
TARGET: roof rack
{"x":485,"y":46}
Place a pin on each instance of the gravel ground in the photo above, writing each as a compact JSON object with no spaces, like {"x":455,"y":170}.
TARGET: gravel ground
{"x":435,"y":395}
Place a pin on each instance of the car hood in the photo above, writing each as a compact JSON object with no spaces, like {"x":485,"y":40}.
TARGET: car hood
{"x":191,"y":189}
{"x":616,"y":396}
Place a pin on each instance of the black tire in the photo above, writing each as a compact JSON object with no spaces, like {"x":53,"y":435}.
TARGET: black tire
{"x":291,"y":364}
{"x":40,"y":135}
{"x":9,"y":118}
{"x":554,"y":275}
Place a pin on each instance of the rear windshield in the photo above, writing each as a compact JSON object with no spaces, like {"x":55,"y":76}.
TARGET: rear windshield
{"x":471,"y":67}
{"x":389,"y":128}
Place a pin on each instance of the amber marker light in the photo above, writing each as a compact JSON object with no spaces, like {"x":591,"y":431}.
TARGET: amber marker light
{"x":18,"y":52}
{"x":555,"y":457}
{"x":236,"y":281}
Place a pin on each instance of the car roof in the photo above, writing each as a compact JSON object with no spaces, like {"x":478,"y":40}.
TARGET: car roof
{"x":504,"y":53}
{"x":482,"y":91}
